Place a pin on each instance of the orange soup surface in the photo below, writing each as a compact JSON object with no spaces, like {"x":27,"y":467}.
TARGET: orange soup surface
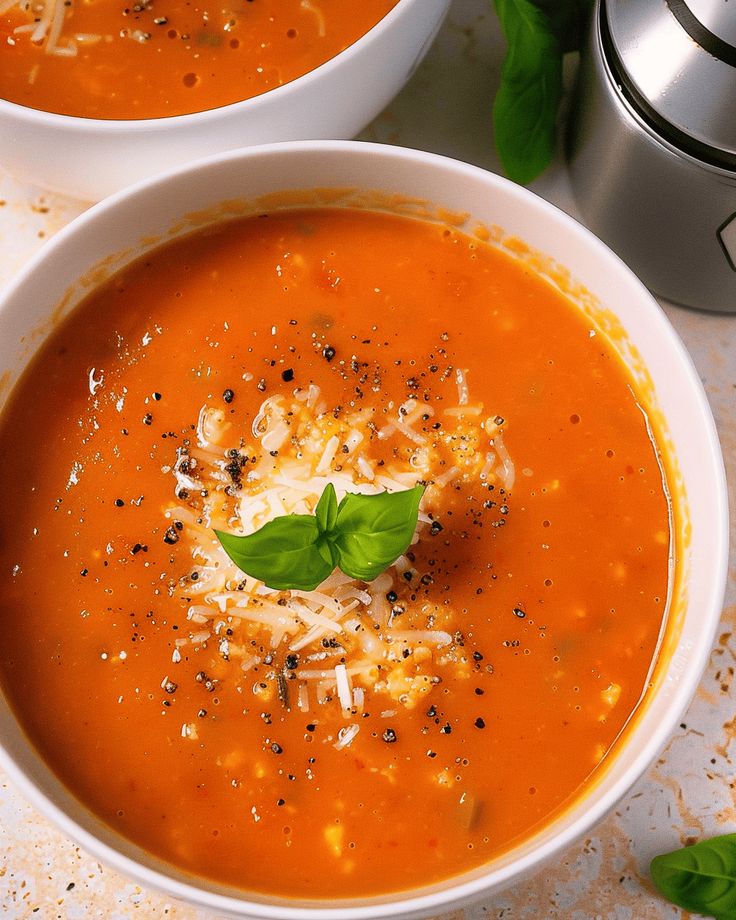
{"x":154,"y":58}
{"x":363,"y":737}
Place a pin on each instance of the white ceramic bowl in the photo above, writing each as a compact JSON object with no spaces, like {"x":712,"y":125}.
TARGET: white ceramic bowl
{"x":120,"y":225}
{"x":89,"y":158}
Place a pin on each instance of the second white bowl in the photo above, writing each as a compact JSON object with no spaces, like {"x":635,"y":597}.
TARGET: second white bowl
{"x":90,"y":158}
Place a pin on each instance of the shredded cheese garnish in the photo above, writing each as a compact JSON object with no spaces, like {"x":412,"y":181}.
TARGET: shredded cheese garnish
{"x":347,"y":638}
{"x":46,"y":24}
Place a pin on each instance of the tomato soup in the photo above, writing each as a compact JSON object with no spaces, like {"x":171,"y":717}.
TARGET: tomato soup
{"x":156,"y":58}
{"x":363,"y":737}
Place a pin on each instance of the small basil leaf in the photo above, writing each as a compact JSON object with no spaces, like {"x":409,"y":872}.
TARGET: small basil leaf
{"x":700,"y":878}
{"x":372,"y":531}
{"x":326,"y":510}
{"x":526,"y":104}
{"x":284,"y":554}
{"x":328,"y":551}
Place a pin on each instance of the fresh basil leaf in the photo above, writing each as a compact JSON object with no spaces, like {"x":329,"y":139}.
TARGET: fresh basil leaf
{"x":700,"y":878}
{"x":525,"y":108}
{"x":328,"y":551}
{"x":372,"y":531}
{"x":285,"y":554}
{"x":326,"y":510}
{"x":363,"y":535}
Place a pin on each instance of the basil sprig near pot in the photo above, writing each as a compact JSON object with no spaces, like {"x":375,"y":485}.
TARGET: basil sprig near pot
{"x":362,"y":536}
{"x":538,"y":33}
{"x":700,"y":878}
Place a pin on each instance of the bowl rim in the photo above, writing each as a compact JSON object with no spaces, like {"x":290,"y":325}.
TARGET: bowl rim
{"x":249,"y":106}
{"x":452,"y":892}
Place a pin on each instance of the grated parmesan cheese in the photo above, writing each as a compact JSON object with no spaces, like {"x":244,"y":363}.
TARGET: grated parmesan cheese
{"x":344,"y":635}
{"x":45,"y":26}
{"x":346,"y":735}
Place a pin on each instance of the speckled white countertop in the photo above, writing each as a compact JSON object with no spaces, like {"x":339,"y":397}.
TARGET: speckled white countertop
{"x":688,"y":793}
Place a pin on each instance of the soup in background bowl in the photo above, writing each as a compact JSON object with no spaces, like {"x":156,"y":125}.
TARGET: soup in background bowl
{"x":221,"y":343}
{"x":147,"y":60}
{"x":96,"y":96}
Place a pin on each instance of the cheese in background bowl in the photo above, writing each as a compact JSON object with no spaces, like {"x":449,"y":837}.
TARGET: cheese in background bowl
{"x":371,"y":318}
{"x":96,"y":96}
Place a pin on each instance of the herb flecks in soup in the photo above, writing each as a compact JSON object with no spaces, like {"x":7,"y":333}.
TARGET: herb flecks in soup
{"x":155,"y":58}
{"x":365,"y":736}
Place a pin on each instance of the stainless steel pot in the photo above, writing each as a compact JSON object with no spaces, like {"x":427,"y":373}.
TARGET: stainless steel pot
{"x":652,"y":144}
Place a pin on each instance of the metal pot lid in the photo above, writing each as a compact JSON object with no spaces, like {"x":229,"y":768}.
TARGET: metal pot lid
{"x":677,"y":61}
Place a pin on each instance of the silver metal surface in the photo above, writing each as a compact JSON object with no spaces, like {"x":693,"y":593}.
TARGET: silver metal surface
{"x":718,"y":16}
{"x":675,"y":57}
{"x":667,"y":214}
